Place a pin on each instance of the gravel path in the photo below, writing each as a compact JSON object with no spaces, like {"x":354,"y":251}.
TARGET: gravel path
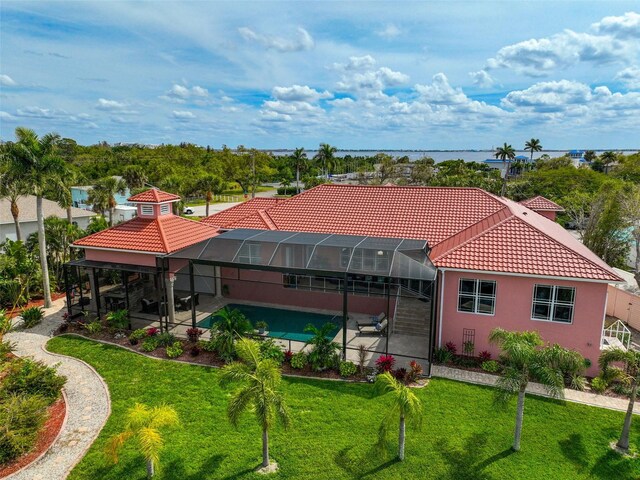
{"x":88,"y":402}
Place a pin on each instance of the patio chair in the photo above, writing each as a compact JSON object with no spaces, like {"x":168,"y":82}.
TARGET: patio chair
{"x":184,"y":303}
{"x":149,"y":306}
{"x":377,"y":325}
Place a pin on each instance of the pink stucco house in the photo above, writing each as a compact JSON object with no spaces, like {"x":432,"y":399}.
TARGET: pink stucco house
{"x":443,"y":264}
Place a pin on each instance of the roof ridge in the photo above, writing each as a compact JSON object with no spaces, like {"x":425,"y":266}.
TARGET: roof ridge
{"x":163,"y":238}
{"x":267,"y":219}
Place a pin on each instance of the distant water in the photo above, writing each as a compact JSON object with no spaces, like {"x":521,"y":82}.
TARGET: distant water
{"x":437,"y":155}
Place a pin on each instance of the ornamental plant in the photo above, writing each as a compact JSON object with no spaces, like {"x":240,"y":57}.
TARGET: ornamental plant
{"x":137,"y":335}
{"x":174,"y":350}
{"x":149,"y":344}
{"x":415,"y":371}
{"x":299,"y":360}
{"x":118,"y":320}
{"x":484,"y":355}
{"x":93,"y":327}
{"x":287,"y":356}
{"x":385,"y":363}
{"x":32,"y":316}
{"x":151,"y":331}
{"x":194,"y":334}
{"x":347,"y":369}
{"x":451,"y":347}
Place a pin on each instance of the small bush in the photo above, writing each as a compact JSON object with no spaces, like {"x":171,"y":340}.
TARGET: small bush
{"x":299,"y":360}
{"x":32,"y":316}
{"x":21,"y":417}
{"x":166,"y":339}
{"x":286,"y":190}
{"x":415,"y":371}
{"x":269,"y":349}
{"x":578,"y":382}
{"x":149,"y":344}
{"x":287,"y":356}
{"x":175,"y":350}
{"x":464,"y":361}
{"x":491,"y":366}
{"x":208,"y":345}
{"x":29,"y":377}
{"x":93,"y":327}
{"x":118,"y":320}
{"x":442,"y":355}
{"x":152,"y":331}
{"x":385,"y":363}
{"x":484,"y":355}
{"x":587,"y":363}
{"x":599,"y":385}
{"x":194,"y":334}
{"x":347,"y":369}
{"x":621,"y":389}
{"x":451,"y":347}
{"x":137,"y":335}
{"x":6,"y":347}
{"x":468,"y":347}
{"x":400,"y":374}
{"x":195,"y":350}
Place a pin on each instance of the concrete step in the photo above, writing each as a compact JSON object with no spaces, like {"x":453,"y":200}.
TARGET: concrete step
{"x":414,"y":333}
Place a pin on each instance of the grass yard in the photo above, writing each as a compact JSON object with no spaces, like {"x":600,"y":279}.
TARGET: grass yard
{"x":334,"y":425}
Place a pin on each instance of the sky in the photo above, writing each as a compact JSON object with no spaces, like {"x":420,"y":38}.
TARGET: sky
{"x":358,"y":75}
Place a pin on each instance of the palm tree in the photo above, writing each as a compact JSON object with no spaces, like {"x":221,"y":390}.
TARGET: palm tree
{"x":12,"y":189}
{"x":134,"y":176}
{"x":144,"y":424}
{"x":325,"y":156}
{"x":506,"y":153}
{"x":229,"y":327}
{"x":34,"y":160}
{"x":259,"y":391}
{"x":102,"y":195}
{"x":630,"y":375}
{"x":608,"y":158}
{"x":210,"y":185}
{"x":405,"y":405}
{"x":324,"y":350}
{"x":299,"y":157}
{"x":525,"y":361}
{"x":62,"y":193}
{"x":532,"y":145}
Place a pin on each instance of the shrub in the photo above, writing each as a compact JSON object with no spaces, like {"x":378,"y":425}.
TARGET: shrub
{"x":207,"y":345}
{"x":442,"y":355}
{"x":269,"y":349}
{"x":400,"y":374}
{"x":415,"y":371}
{"x":195,"y":350}
{"x":261,"y":325}
{"x":347,"y":369}
{"x":286,"y":190}
{"x":299,"y":360}
{"x":621,"y":388}
{"x":151,"y":331}
{"x":6,"y":347}
{"x":587,"y":363}
{"x":21,"y":417}
{"x":149,"y":344}
{"x":118,"y":320}
{"x":32,"y":316}
{"x":468,"y":347}
{"x":484,"y":355}
{"x":93,"y":327}
{"x":287,"y":356}
{"x":5,"y":323}
{"x":451,"y":347}
{"x":137,"y":335}
{"x":166,"y":339}
{"x":578,"y":382}
{"x":29,"y":377}
{"x":174,"y":350}
{"x":464,"y":361}
{"x":599,"y":385}
{"x":384,"y":363}
{"x":323,"y":351}
{"x":490,"y":366}
{"x":194,"y":334}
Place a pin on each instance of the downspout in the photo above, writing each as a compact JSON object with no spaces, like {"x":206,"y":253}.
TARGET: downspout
{"x":604,"y":317}
{"x":432,"y":327}
{"x":345,"y":314}
{"x":440,"y":306}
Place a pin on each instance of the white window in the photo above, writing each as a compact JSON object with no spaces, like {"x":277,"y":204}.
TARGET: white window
{"x":477,"y":296}
{"x":147,"y":209}
{"x":164,"y":209}
{"x":552,"y":303}
{"x":249,"y":253}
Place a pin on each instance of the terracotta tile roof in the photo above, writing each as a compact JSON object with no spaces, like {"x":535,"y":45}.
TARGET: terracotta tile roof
{"x":241,"y":211}
{"x":153,"y":195}
{"x":165,"y":234}
{"x":466,"y":228}
{"x":541,"y":203}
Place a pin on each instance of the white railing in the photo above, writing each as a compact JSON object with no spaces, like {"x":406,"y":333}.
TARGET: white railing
{"x":616,"y":335}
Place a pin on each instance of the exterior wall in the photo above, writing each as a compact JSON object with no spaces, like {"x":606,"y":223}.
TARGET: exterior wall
{"x":8,"y":230}
{"x":120,"y":257}
{"x":624,"y":305}
{"x":514,"y":296}
{"x":271,"y":290}
{"x":547,"y":214}
{"x":80,"y":195}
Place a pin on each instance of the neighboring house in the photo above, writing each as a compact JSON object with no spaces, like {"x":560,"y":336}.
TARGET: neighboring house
{"x":80,"y":196}
{"x":28,"y":220}
{"x":577,"y":157}
{"x":543,"y":206}
{"x":445,"y":264}
{"x":498,"y":164}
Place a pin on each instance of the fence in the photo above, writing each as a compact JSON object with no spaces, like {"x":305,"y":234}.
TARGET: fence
{"x":625,"y":306}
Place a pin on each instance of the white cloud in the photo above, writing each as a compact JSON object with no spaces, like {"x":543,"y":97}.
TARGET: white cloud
{"x":388,"y":32}
{"x":359,"y":76}
{"x":342,"y":102}
{"x":625,"y":27}
{"x":356,"y":63}
{"x":6,"y":115}
{"x":7,"y":81}
{"x":299,"y":93}
{"x":182,"y":115}
{"x":630,"y":76}
{"x":303,"y":40}
{"x":439,"y":92}
{"x":482,"y":79}
{"x":181,"y":93}
{"x":121,"y":108}
{"x":35,"y":112}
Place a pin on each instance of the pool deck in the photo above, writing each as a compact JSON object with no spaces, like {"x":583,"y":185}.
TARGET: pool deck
{"x":403,"y":347}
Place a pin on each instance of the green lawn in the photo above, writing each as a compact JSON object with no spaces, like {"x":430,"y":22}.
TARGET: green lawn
{"x":464,"y":436}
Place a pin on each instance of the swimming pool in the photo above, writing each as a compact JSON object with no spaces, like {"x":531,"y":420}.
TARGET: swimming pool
{"x":288,"y":324}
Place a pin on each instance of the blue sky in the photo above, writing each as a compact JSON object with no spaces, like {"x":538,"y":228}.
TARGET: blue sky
{"x":371,"y":75}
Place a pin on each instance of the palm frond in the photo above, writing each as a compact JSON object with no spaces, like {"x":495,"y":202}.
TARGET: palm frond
{"x":239,"y":403}
{"x":235,"y":372}
{"x":150,"y":444}
{"x":164,"y":416}
{"x":115,"y":443}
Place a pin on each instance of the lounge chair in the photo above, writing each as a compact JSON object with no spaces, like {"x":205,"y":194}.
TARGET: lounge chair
{"x":184,"y":303}
{"x":378,"y":325}
{"x":149,"y":306}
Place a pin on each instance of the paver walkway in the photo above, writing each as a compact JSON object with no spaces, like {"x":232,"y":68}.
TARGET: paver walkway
{"x":88,"y":402}
{"x":576,"y":396}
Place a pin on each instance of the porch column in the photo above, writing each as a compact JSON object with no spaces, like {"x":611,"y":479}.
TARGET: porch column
{"x":171,"y":308}
{"x":192,"y":292}
{"x":218,"y":280}
{"x":345,"y":316}
{"x":67,"y":287}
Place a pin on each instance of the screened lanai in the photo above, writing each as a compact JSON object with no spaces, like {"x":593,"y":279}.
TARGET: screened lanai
{"x":362,"y":278}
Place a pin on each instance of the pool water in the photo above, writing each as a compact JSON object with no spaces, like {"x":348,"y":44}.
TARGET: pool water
{"x":287,"y":324}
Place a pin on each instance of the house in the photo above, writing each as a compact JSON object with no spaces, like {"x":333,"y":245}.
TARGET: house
{"x":442,"y":265}
{"x":501,"y":165}
{"x":28,"y":220}
{"x":577,"y":157}
{"x":543,"y":206}
{"x":80,"y":195}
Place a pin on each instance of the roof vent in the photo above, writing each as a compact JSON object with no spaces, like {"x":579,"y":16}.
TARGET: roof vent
{"x":524,"y":213}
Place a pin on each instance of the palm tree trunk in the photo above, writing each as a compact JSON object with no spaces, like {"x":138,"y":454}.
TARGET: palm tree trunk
{"x":111,"y":217}
{"x":265,"y":447}
{"x":151,"y":471}
{"x":623,"y":443}
{"x":15,"y":212}
{"x":519,"y":418}
{"x":42,"y":244}
{"x":297,"y":178}
{"x":401,"y":438}
{"x":69,"y":214}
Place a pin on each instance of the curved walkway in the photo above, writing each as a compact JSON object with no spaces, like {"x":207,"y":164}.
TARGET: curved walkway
{"x":88,"y":402}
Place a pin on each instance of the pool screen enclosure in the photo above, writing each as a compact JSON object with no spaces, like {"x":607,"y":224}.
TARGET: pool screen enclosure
{"x":306,"y":253}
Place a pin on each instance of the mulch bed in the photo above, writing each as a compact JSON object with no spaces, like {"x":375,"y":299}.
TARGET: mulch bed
{"x":35,"y":302}
{"x":47,"y":435}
